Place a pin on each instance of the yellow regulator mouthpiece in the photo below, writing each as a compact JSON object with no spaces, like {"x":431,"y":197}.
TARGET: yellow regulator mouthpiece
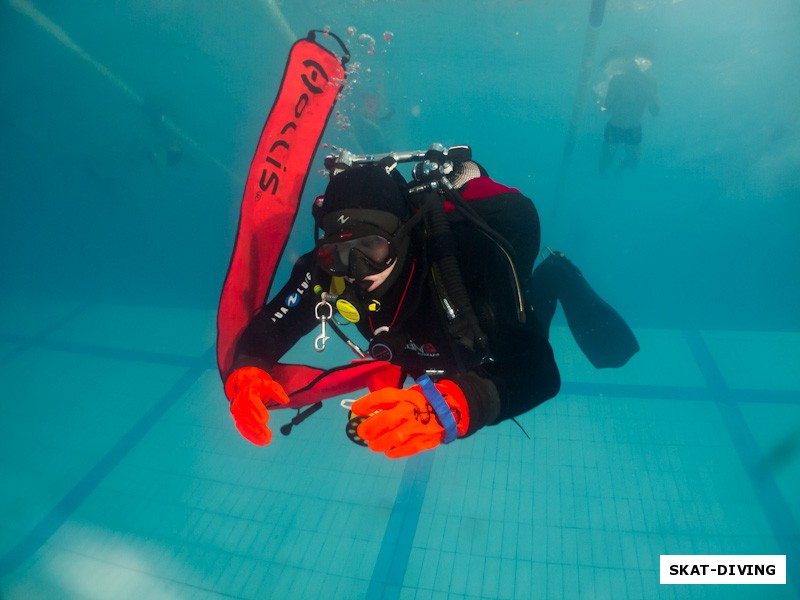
{"x":348,"y":311}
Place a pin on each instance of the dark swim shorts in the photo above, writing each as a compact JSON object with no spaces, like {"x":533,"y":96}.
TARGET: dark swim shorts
{"x":623,"y":135}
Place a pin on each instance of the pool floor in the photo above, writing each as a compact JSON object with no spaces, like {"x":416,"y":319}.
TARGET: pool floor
{"x":123,"y":476}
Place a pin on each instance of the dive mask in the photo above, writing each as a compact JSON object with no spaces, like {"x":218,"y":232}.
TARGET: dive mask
{"x":358,"y":243}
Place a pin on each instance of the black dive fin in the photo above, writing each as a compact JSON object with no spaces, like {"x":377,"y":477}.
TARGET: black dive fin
{"x":599,"y":330}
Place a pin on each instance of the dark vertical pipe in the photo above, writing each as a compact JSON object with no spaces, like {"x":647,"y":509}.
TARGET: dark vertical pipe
{"x":597,"y":12}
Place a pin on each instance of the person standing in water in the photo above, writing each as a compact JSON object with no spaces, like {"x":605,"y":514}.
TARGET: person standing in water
{"x":629,"y":94}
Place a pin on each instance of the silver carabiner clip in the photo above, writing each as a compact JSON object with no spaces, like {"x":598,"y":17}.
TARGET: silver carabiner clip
{"x":322,"y":338}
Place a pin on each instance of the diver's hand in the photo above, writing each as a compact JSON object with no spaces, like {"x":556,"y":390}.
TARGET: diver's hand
{"x":249,"y":389}
{"x":402,"y":422}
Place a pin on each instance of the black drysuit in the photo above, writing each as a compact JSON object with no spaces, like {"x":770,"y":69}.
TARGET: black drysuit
{"x":521,"y":371}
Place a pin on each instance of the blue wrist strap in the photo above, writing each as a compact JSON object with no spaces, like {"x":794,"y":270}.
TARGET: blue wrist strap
{"x":437,"y":401}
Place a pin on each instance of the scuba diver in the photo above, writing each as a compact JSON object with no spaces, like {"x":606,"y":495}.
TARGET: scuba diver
{"x":437,"y":275}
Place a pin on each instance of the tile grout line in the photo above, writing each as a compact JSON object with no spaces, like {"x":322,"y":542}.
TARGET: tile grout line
{"x":391,"y":562}
{"x":677,"y":393}
{"x":24,"y":344}
{"x":146,"y":356}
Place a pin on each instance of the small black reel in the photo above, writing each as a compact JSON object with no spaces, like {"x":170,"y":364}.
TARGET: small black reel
{"x":352,"y":427}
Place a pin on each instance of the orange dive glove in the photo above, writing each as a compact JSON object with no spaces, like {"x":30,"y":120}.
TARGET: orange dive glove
{"x":249,"y":389}
{"x":404,"y":422}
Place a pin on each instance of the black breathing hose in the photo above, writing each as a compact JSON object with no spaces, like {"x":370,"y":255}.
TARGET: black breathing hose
{"x":447,"y":276}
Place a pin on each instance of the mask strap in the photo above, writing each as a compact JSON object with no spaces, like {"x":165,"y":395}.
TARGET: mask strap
{"x":408,"y":226}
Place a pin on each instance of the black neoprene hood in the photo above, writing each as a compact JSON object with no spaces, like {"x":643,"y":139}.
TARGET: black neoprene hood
{"x":365,"y":187}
